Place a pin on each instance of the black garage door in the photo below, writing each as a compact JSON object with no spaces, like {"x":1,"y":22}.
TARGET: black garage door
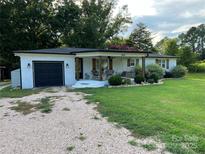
{"x":48,"y":74}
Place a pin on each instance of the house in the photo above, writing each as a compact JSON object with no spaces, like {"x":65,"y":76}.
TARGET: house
{"x":64,"y":66}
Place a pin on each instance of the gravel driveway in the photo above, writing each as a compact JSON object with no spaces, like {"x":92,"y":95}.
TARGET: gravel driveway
{"x":79,"y":129}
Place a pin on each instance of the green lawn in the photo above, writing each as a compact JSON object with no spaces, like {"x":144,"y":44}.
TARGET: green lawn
{"x":174,"y":111}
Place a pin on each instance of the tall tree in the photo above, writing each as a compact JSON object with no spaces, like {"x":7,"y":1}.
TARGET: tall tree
{"x":66,"y":21}
{"x":195,"y":38}
{"x":168,"y":46}
{"x":186,"y":56}
{"x":141,"y":38}
{"x":25,"y":25}
{"x":97,"y":24}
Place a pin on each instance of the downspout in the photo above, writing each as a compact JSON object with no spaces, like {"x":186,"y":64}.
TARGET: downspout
{"x":20,"y":75}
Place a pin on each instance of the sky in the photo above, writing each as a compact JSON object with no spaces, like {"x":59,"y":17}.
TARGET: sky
{"x":165,"y":17}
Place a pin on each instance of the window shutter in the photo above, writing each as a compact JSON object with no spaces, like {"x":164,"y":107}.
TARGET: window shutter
{"x":94,"y":64}
{"x":110,"y":64}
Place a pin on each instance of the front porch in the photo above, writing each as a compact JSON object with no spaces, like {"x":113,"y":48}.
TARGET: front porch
{"x":102,"y":66}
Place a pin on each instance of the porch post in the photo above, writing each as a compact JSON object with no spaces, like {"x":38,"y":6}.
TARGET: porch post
{"x":143,"y":67}
{"x":100,"y":72}
{"x":77,"y":68}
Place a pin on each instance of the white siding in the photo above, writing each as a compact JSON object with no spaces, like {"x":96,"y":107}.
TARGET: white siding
{"x":27,"y":72}
{"x":15,"y":78}
{"x":87,"y":66}
{"x":172,"y":62}
{"x":120,"y":64}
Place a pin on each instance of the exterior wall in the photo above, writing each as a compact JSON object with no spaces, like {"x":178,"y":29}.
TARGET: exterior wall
{"x":15,"y":78}
{"x":87,"y":67}
{"x":120,"y":64}
{"x":172,"y":62}
{"x":27,"y":72}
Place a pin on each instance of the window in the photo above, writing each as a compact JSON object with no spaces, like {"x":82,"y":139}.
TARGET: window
{"x":130,"y":62}
{"x":161,"y":62}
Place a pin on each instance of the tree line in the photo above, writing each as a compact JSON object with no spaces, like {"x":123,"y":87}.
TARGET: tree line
{"x":29,"y":24}
{"x":188,"y":46}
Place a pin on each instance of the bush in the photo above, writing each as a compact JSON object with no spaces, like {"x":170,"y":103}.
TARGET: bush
{"x":198,"y":67}
{"x":138,"y":70}
{"x":115,"y":80}
{"x":154,"y":72}
{"x":150,"y":81}
{"x":168,"y":75}
{"x":138,"y":75}
{"x":126,"y":81}
{"x":179,"y":71}
{"x":139,"y":79}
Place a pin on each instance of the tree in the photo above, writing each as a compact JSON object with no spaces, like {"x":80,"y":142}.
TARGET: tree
{"x":116,"y":41}
{"x":168,"y":46}
{"x":195,"y":38}
{"x":66,"y":21}
{"x":96,"y":24}
{"x":161,"y":45}
{"x":25,"y":25}
{"x":141,"y":39}
{"x":186,"y":55}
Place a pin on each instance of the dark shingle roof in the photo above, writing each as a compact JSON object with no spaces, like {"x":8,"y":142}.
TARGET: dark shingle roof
{"x":73,"y":51}
{"x":57,"y":50}
{"x":157,"y":55}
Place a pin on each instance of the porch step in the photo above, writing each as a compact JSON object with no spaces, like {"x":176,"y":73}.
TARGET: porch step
{"x":90,"y":84}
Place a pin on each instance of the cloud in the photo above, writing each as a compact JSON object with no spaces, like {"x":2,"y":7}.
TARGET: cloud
{"x":166,"y":17}
{"x":184,"y":28}
{"x":139,"y":7}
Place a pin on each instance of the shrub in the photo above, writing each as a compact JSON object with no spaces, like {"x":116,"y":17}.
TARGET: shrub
{"x":179,"y":71}
{"x":154,"y":72}
{"x":115,"y":80}
{"x":126,"y":81}
{"x":138,"y":75}
{"x":150,"y":81}
{"x":168,"y":75}
{"x":139,"y":79}
{"x":198,"y":67}
{"x":138,"y":70}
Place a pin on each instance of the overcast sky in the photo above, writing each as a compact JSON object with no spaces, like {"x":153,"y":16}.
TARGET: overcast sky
{"x":165,"y":17}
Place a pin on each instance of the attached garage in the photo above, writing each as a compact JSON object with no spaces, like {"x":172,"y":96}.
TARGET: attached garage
{"x":48,"y":73}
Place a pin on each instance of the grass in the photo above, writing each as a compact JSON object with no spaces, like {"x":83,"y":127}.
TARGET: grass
{"x":81,"y":137}
{"x":133,"y":142}
{"x":174,"y":111}
{"x":45,"y":105}
{"x":17,"y":93}
{"x":149,"y":147}
{"x":70,"y":148}
{"x":66,"y":109}
{"x":24,"y":107}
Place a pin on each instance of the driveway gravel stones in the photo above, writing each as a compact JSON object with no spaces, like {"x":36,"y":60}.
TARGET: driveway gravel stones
{"x":79,"y":130}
